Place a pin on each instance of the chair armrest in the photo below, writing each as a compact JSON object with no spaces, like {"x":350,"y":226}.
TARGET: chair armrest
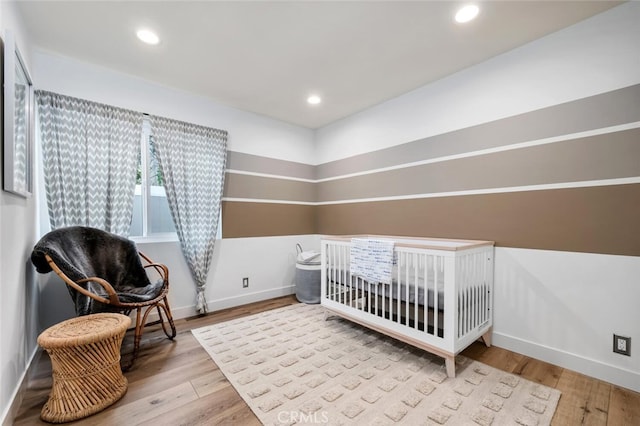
{"x":161,"y":269}
{"x":113,"y":297}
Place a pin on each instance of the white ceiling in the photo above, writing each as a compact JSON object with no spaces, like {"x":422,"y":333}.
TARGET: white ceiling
{"x":266,"y":57}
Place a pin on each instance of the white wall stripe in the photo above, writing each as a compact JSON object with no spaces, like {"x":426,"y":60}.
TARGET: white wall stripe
{"x":525,"y":188}
{"x":511,"y":147}
{"x":258,"y":200}
{"x":267,"y":175}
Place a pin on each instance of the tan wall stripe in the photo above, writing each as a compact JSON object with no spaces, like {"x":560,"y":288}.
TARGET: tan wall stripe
{"x":265,"y":188}
{"x":594,"y":220}
{"x":608,"y":156}
{"x":605,"y":110}
{"x":265,"y":220}
{"x":272,"y":166}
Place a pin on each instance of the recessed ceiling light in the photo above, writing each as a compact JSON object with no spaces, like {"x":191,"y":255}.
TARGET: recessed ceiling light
{"x":467,"y":13}
{"x":314,"y":99}
{"x":148,"y":36}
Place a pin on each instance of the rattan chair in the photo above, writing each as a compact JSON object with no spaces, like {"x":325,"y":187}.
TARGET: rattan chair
{"x":87,"y":273}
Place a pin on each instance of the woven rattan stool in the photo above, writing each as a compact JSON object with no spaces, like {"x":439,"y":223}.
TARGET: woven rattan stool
{"x":85,"y":358}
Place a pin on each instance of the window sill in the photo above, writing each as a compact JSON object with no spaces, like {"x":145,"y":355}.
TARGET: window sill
{"x":157,"y":238}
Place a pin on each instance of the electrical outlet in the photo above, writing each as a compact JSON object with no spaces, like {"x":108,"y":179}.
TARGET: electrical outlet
{"x":245,"y":282}
{"x":622,"y":345}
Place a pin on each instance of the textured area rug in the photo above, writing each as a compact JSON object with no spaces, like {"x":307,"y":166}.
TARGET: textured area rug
{"x":293,"y":367}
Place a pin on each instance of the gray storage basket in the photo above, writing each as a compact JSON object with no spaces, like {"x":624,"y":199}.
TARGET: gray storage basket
{"x":307,"y":276}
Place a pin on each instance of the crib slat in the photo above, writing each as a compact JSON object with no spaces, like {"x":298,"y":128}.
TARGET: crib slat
{"x":470,"y":293}
{"x":376,"y":288}
{"x":336,"y":265}
{"x":474,"y":302}
{"x":436,"y":295}
{"x":465,"y":277}
{"x":384,"y":289}
{"x":476,"y":289}
{"x":336,"y":282}
{"x":425,"y":294}
{"x":339,"y":279}
{"x":348,"y":278}
{"x":485,"y":290}
{"x":485,"y":283}
{"x":406,"y":288}
{"x":416,"y":290}
{"x":331,"y":272}
{"x":404,"y":257}
{"x":398,"y":290}
{"x":481,"y":286}
{"x":368,"y":298}
{"x":341,"y":275}
{"x":461,"y":310}
{"x":463,"y":301}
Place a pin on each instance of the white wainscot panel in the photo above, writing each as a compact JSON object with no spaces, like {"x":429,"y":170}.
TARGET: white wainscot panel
{"x":563,"y":308}
{"x":268,"y":262}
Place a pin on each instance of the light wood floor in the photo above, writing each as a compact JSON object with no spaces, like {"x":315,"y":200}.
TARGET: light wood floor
{"x":176,"y":383}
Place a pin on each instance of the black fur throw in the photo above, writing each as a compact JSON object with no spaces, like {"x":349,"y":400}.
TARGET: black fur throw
{"x":83,"y":252}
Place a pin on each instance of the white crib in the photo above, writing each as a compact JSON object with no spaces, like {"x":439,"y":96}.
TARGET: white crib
{"x":440,"y":299}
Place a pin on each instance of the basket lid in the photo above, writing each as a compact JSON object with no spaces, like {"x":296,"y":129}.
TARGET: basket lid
{"x":308,"y":258}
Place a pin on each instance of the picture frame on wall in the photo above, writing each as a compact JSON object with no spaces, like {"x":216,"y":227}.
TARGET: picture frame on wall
{"x":18,"y":120}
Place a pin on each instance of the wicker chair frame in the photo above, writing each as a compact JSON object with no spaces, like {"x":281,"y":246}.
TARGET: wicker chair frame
{"x":142,"y":309}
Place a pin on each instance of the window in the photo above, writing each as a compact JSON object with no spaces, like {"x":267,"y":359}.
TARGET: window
{"x":151,"y":214}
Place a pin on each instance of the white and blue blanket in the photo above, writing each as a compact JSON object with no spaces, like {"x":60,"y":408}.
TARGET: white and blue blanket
{"x":372,"y":259}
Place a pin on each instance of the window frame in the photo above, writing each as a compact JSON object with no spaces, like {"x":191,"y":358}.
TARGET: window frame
{"x":145,"y":192}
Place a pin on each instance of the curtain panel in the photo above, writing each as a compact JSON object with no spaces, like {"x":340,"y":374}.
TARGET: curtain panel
{"x":90,"y":155}
{"x":192,"y":160}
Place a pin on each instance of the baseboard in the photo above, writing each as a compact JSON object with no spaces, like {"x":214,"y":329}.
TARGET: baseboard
{"x":11,"y":411}
{"x":244,"y":299}
{"x":589,"y":367}
{"x":229,"y":302}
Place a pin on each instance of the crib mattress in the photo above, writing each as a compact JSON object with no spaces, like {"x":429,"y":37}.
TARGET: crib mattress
{"x":405,"y":294}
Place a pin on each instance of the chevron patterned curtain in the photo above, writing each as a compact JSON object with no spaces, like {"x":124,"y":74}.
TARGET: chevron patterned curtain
{"x":192,"y":160}
{"x":90,"y":154}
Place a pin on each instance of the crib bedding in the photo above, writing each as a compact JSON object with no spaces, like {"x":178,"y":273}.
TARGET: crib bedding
{"x":383,"y":290}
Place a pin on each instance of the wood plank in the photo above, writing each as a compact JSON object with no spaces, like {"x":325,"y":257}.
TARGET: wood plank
{"x":143,"y":409}
{"x":538,"y":371}
{"x":210,"y":383}
{"x":494,"y":356}
{"x":177,"y":383}
{"x":169,"y":378}
{"x":215,"y":408}
{"x":584,"y":400}
{"x":186,"y":352}
{"x":624,"y":407}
